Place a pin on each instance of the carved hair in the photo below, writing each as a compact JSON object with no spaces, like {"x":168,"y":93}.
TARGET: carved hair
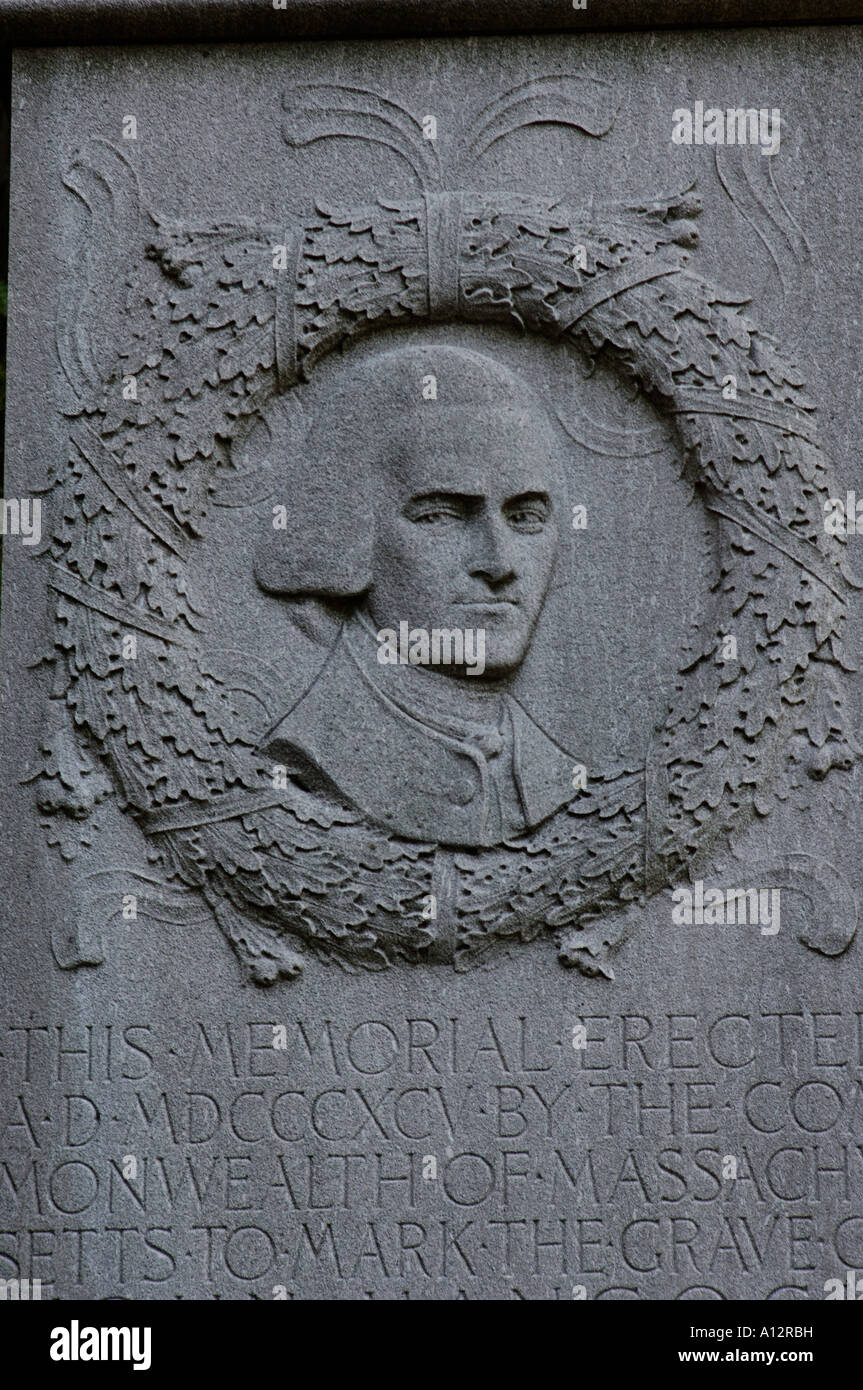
{"x":367,"y":419}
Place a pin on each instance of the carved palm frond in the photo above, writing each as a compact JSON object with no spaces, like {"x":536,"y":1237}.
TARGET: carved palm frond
{"x":91,"y":313}
{"x":328,"y":110}
{"x":579,"y":101}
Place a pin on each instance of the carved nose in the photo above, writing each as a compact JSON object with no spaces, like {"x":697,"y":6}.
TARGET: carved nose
{"x":492,"y":563}
{"x":495,"y":575}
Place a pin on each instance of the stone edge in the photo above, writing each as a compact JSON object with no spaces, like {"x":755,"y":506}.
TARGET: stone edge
{"x":58,"y":22}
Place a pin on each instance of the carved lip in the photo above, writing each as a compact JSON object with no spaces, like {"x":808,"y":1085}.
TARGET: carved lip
{"x":492,"y":603}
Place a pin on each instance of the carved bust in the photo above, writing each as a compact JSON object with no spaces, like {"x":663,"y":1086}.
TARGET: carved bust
{"x":437,"y":507}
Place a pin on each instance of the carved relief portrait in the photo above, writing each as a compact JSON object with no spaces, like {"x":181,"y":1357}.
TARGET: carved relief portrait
{"x":441,"y":535}
{"x":386,"y":778}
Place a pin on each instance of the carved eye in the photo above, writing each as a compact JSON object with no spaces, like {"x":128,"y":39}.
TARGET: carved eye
{"x":435,"y":513}
{"x":529,"y":517}
{"x":440,"y":514}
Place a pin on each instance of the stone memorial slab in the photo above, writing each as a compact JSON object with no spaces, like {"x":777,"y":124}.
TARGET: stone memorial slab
{"x":431,"y":618}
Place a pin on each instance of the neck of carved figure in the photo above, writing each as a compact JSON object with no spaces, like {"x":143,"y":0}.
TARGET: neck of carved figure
{"x":452,"y":704}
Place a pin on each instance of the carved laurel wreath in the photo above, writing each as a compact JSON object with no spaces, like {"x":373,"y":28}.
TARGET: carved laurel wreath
{"x":226,"y":333}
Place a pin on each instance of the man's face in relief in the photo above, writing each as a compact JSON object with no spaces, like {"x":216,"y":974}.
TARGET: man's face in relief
{"x":467,"y":524}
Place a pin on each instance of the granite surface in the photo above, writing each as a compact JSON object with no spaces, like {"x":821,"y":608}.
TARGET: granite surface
{"x":431,"y":782}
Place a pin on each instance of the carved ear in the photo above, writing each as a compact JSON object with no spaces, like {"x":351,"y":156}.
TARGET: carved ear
{"x":319,"y":539}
